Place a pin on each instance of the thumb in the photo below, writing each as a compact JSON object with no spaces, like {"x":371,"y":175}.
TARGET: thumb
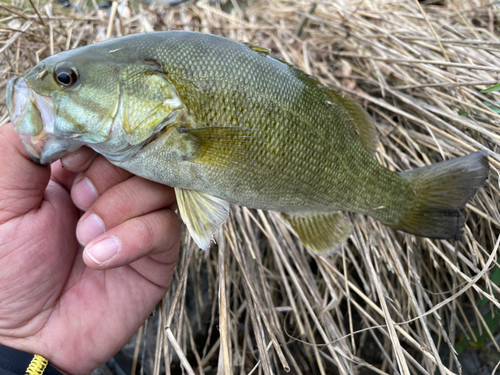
{"x":22,"y":182}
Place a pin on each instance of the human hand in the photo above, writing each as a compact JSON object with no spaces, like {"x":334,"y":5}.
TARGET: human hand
{"x":77,"y":307}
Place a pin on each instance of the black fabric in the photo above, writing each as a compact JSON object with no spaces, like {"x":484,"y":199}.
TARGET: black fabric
{"x":15,"y":362}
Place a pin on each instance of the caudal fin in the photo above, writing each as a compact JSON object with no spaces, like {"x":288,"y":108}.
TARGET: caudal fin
{"x":441,"y":190}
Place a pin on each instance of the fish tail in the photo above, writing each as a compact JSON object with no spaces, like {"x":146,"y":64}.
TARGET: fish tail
{"x":440,"y":191}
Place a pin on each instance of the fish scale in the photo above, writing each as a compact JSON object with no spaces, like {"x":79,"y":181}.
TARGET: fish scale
{"x":225,"y":122}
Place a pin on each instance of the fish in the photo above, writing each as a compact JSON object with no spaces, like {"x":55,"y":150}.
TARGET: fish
{"x":225,"y":122}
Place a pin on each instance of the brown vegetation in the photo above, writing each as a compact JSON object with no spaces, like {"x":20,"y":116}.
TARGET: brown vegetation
{"x":388,"y":302}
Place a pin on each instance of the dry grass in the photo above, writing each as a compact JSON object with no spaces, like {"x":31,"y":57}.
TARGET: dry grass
{"x":388,"y":303}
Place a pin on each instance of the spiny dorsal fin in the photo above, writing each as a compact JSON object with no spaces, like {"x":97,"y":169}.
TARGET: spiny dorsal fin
{"x":254,"y":46}
{"x":282,"y":61}
{"x":203,"y":214}
{"x":321,"y":233}
{"x":266,"y":52}
{"x":359,"y":119}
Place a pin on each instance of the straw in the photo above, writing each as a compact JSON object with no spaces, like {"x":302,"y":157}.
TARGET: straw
{"x":258,"y":301}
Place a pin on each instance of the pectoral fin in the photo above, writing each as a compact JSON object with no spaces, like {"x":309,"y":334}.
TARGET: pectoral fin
{"x":219,"y":146}
{"x":321,"y":233}
{"x":203,"y":214}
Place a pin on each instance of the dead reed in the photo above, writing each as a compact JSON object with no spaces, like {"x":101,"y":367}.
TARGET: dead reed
{"x":388,"y":303}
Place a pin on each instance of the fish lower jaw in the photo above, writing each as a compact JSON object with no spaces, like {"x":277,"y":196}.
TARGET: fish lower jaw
{"x":30,"y":112}
{"x":34,"y":148}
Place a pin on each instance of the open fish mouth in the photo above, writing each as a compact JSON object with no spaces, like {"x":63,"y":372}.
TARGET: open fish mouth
{"x":33,"y":118}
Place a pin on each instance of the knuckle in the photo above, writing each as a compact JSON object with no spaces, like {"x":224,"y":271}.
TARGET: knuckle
{"x":173,"y":222}
{"x":148,"y":230}
{"x":124,"y":198}
{"x":160,"y":230}
{"x":119,"y":203}
{"x":105,"y":173}
{"x":171,"y":233}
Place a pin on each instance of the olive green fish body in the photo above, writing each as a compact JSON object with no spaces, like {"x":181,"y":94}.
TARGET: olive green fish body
{"x":223,"y":122}
{"x":305,"y":154}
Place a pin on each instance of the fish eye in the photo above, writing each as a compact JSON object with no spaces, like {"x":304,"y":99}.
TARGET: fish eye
{"x":65,"y":76}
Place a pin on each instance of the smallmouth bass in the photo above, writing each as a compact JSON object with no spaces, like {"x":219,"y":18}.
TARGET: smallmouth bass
{"x":226,"y":122}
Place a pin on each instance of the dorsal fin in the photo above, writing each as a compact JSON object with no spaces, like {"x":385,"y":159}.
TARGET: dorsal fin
{"x":359,"y":119}
{"x":266,"y":52}
{"x":362,"y":124}
{"x":254,"y":46}
{"x":282,"y":61}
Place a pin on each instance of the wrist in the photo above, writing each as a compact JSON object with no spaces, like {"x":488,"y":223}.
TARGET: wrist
{"x":17,"y":362}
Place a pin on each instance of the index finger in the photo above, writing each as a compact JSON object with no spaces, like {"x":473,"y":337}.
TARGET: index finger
{"x":65,"y":170}
{"x":79,"y":160}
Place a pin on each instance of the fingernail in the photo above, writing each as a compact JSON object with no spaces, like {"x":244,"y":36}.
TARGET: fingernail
{"x":76,"y":160}
{"x":104,"y":250}
{"x":84,"y":193}
{"x":90,"y":228}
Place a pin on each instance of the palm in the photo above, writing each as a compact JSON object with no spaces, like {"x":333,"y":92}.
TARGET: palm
{"x":51,"y":301}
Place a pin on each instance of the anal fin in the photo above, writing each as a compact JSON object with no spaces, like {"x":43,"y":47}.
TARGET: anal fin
{"x":322,"y":233}
{"x":203,"y":214}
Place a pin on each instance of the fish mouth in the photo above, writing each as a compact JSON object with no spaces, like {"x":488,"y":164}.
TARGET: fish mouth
{"x":33,"y":117}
